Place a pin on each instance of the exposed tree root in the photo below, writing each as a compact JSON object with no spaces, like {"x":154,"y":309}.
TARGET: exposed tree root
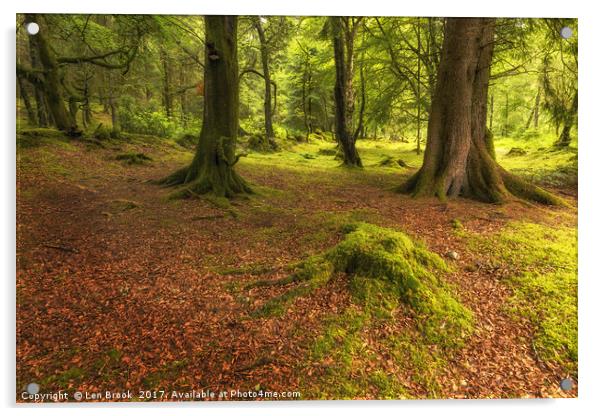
{"x":221,"y":181}
{"x":493,"y":186}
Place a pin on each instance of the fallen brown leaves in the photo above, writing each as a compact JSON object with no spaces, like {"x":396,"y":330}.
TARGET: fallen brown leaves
{"x":135,"y":299}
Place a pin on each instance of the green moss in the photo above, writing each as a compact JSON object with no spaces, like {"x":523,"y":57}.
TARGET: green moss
{"x":457,"y":224}
{"x":102,"y":132}
{"x":386,"y":267}
{"x":539,"y":161}
{"x":545,"y":284}
{"x":122,"y":205}
{"x":425,"y":364}
{"x":162,"y":377}
{"x":43,"y":137}
{"x":352,"y":362}
{"x":65,"y":379}
{"x":133,"y":158}
{"x":108,"y":366}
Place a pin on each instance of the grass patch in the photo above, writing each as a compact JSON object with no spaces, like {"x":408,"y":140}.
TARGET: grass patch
{"x":545,"y":284}
{"x":537,"y":160}
{"x":168,"y":371}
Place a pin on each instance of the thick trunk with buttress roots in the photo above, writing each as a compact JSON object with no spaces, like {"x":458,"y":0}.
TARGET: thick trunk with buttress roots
{"x":212,"y":169}
{"x":459,"y":159}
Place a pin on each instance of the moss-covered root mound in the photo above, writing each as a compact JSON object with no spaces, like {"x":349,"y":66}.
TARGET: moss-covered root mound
{"x":386,"y":269}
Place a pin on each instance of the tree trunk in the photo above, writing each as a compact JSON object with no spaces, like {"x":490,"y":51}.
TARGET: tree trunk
{"x":212,"y":169}
{"x":86,"y":110}
{"x":418,"y":94}
{"x":536,"y":109}
{"x":267,"y":98}
{"x":343,"y":90}
{"x":534,"y":114}
{"x":31,"y":116}
{"x":360,"y":116}
{"x":52,"y":84}
{"x":167,"y":98}
{"x":565,"y":136}
{"x":38,"y":92}
{"x":491,"y":113}
{"x":116,"y":130}
{"x":305,"y":91}
{"x":458,"y":157}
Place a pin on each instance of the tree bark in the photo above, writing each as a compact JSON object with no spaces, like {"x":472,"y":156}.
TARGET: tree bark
{"x":167,"y":97}
{"x":31,"y":116}
{"x":212,"y":169}
{"x":51,"y":85}
{"x":534,"y":114}
{"x":267,"y":98}
{"x":565,"y":136}
{"x":458,"y":159}
{"x":343,"y":39}
{"x":38,"y":92}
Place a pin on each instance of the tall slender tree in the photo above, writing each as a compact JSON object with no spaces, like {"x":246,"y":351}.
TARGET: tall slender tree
{"x":344,"y":32}
{"x":265,"y":65}
{"x":459,"y":157}
{"x":212,"y":169}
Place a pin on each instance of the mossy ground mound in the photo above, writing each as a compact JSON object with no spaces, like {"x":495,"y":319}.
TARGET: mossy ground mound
{"x":386,"y":268}
{"x":133,"y":158}
{"x":388,"y":275}
{"x":390,"y":161}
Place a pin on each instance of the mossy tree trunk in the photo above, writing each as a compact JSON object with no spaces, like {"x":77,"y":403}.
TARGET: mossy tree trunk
{"x":267,"y":97}
{"x":564,"y":140}
{"x":344,"y":30}
{"x":52,"y":85}
{"x":459,"y":156}
{"x":167,"y":95}
{"x":212,"y":169}
{"x":38,"y":92}
{"x":31,"y":116}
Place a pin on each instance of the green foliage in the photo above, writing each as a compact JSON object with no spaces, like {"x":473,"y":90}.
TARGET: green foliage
{"x":155,"y":123}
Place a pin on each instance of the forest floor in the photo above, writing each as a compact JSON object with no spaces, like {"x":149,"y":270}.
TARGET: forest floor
{"x":120,"y":287}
